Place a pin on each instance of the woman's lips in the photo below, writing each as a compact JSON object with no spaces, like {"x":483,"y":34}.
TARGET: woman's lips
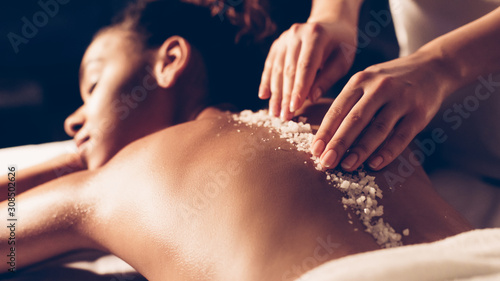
{"x":81,"y":143}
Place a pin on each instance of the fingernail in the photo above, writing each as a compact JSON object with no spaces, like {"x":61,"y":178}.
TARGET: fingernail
{"x":349,"y":161}
{"x":292,"y":105}
{"x":261,"y":92}
{"x":316,"y":95}
{"x":286,"y":115}
{"x":376,"y":162}
{"x":318,"y":147}
{"x":329,"y":158}
{"x":274,"y":111}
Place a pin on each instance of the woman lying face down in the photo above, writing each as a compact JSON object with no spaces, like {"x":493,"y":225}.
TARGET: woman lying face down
{"x":132,"y":86}
{"x":129,"y":93}
{"x":181,"y":191}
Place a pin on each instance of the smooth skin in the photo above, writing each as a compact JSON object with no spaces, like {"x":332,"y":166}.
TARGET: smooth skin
{"x":59,"y":166}
{"x":381,"y":109}
{"x":203,"y":198}
{"x":307,"y":59}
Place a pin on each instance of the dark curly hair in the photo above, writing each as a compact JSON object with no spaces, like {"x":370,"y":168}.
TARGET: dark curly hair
{"x":219,"y":30}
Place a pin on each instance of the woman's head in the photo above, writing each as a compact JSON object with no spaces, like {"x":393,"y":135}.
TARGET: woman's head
{"x":212,"y":36}
{"x":158,"y":65}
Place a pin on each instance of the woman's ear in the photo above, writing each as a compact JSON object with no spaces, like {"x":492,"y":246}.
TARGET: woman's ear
{"x":172,"y":60}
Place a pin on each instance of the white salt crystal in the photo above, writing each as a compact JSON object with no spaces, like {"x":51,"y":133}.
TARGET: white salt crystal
{"x":360,"y":190}
{"x":344,"y":185}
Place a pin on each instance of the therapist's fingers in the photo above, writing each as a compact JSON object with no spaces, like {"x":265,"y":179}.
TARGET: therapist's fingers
{"x":277,"y":84}
{"x":265,"y":81}
{"x":334,"y":69}
{"x":401,"y":137}
{"x":290,"y":66}
{"x":333,"y":118}
{"x":308,"y":64}
{"x":375,"y":134}
{"x":350,"y":128}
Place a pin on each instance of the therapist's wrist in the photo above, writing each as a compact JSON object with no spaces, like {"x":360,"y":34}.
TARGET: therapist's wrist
{"x":334,"y":11}
{"x":446,"y":76}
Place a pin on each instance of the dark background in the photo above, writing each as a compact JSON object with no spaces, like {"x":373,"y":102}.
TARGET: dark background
{"x":39,"y":83}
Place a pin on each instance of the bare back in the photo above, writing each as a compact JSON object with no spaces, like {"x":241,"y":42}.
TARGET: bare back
{"x":221,"y":200}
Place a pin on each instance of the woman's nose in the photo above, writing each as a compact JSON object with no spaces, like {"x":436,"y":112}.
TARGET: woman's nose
{"x":74,"y":122}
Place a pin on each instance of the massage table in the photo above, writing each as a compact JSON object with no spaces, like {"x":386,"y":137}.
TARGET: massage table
{"x":474,"y":255}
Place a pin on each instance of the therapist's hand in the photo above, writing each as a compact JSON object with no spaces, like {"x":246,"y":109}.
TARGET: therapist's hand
{"x":305,"y":61}
{"x":380,"y":110}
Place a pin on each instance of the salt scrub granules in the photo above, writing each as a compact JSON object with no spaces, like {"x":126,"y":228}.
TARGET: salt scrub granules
{"x":359,"y":189}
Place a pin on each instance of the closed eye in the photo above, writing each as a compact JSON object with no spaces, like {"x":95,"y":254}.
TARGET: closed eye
{"x":92,"y":87}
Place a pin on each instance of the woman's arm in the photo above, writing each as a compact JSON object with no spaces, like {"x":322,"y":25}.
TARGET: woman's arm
{"x":46,"y":221}
{"x":33,"y":176}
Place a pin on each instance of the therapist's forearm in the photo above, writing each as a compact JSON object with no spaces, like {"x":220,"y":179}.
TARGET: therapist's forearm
{"x":468,"y":52}
{"x":335,"y":10}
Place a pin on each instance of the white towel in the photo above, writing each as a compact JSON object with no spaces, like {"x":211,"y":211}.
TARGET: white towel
{"x":474,"y":255}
